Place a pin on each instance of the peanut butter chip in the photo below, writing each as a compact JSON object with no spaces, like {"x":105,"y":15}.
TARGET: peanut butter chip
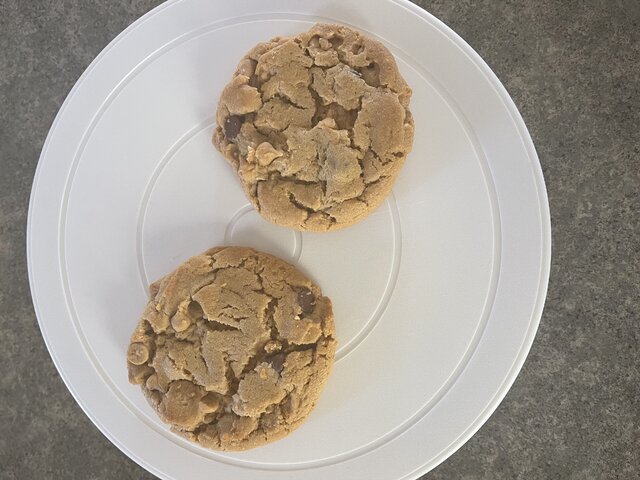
{"x":265,"y":153}
{"x":152,"y":382}
{"x":137,"y":353}
{"x":272,"y":346}
{"x":180,"y":321}
{"x":210,"y":403}
{"x":180,"y":404}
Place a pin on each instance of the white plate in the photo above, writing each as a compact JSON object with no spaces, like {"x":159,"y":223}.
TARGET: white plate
{"x":437,"y":294}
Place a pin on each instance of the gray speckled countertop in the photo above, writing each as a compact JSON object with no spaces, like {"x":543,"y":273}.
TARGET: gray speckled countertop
{"x":573,"y":69}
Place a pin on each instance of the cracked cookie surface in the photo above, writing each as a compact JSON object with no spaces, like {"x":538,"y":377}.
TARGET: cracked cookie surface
{"x":317,"y":127}
{"x":233,"y":348}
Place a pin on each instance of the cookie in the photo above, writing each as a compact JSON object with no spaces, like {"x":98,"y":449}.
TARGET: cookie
{"x":233,"y":348}
{"x":317,"y":127}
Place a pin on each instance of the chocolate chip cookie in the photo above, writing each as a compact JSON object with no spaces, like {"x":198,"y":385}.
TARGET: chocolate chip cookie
{"x":317,"y":126}
{"x":233,"y":348}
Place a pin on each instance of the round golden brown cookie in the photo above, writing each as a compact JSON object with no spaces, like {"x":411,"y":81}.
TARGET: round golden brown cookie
{"x":317,"y":127}
{"x":233,"y":348}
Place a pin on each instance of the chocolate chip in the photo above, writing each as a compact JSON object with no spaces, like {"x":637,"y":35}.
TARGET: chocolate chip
{"x":277,"y":362}
{"x":306,"y":300}
{"x":194,"y":310}
{"x":232,"y":126}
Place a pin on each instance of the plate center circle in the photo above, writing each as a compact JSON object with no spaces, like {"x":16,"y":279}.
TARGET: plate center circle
{"x":248,"y":229}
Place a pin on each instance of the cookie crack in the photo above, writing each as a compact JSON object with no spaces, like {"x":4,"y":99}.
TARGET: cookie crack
{"x":301,"y":206}
{"x":214,"y":325}
{"x":378,"y":180}
{"x":288,"y":347}
{"x":277,"y":175}
{"x":232,"y":380}
{"x":287,"y":100}
{"x":270,"y":321}
{"x":202,"y":287}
